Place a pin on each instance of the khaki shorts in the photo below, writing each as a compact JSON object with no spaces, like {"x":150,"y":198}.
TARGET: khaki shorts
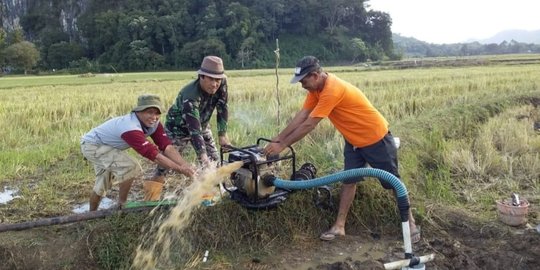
{"x":112,"y":166}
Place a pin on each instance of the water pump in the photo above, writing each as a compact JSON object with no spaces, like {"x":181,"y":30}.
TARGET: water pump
{"x":248,"y":185}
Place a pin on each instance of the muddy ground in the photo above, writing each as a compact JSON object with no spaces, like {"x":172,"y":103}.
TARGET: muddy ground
{"x":461,"y":243}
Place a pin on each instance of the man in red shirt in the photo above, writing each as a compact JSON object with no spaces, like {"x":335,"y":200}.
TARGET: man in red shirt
{"x":104,"y":146}
{"x":367,"y":137}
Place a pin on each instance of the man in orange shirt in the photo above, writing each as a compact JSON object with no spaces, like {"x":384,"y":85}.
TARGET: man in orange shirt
{"x":367,"y":138}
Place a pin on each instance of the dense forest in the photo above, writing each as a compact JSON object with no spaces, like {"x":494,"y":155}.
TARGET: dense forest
{"x":146,"y":35}
{"x":132,"y":35}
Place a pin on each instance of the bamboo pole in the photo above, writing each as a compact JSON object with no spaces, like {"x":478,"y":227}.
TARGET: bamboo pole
{"x":277,"y":84}
{"x":137,"y":207}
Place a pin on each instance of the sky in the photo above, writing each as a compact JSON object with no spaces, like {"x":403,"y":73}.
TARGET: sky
{"x":453,"y":21}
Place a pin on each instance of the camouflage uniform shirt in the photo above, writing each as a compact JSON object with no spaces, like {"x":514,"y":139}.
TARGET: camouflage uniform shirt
{"x":191,"y":112}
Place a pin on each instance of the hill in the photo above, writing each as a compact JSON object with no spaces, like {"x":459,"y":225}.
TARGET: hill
{"x":412,"y":47}
{"x":522,"y":36}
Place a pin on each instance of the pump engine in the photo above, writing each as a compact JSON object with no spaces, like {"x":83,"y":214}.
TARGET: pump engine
{"x":248,"y":185}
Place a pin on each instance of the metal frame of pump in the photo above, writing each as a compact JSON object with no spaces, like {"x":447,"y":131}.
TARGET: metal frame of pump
{"x":251,"y":159}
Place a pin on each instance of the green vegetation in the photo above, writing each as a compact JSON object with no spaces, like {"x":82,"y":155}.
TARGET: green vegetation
{"x":411,"y":47}
{"x":467,"y":139}
{"x":22,"y":55}
{"x":148,"y":35}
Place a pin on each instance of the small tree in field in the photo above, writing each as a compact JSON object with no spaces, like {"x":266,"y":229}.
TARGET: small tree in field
{"x":22,"y":55}
{"x":360,"y":50}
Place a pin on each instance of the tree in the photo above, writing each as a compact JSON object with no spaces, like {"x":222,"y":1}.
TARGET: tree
{"x":246,"y":51}
{"x":333,"y":12}
{"x":171,"y":33}
{"x":193,"y":52}
{"x":270,"y":15}
{"x":16,"y":36}
{"x":378,"y":31}
{"x":22,"y":55}
{"x":142,"y":58}
{"x":2,"y":46}
{"x":360,"y":50}
{"x":59,"y":55}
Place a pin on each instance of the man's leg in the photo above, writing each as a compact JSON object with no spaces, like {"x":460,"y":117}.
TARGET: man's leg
{"x":102,"y":175}
{"x":415,"y":231}
{"x":94,"y":201}
{"x":210,"y":144}
{"x":383,"y":155}
{"x":346,"y":197}
{"x":124,"y":192}
{"x":213,"y":155}
{"x":353,"y":159}
{"x":124,"y":169}
{"x":101,"y":185}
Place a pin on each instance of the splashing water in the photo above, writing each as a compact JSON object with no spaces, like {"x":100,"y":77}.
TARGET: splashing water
{"x":157,"y":247}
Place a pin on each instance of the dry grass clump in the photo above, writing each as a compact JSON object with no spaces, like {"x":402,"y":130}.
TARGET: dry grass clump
{"x":503,"y":157}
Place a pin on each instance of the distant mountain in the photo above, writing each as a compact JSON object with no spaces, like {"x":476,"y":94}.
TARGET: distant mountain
{"x":521,"y":36}
{"x":397,"y":38}
{"x":411,"y":47}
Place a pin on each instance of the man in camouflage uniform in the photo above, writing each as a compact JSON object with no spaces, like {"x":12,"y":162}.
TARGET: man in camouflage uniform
{"x":188,"y":118}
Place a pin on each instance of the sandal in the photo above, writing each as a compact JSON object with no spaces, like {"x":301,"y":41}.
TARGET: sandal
{"x":329,"y":235}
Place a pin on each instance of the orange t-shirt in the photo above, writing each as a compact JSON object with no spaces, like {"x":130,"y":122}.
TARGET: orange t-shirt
{"x":349,"y":111}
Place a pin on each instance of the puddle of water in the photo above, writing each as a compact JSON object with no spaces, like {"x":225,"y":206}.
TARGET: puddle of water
{"x":8,"y":195}
{"x":106,"y":203}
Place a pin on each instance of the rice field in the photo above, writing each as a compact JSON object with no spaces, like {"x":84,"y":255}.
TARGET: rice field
{"x":468,"y":133}
{"x":44,"y":117}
